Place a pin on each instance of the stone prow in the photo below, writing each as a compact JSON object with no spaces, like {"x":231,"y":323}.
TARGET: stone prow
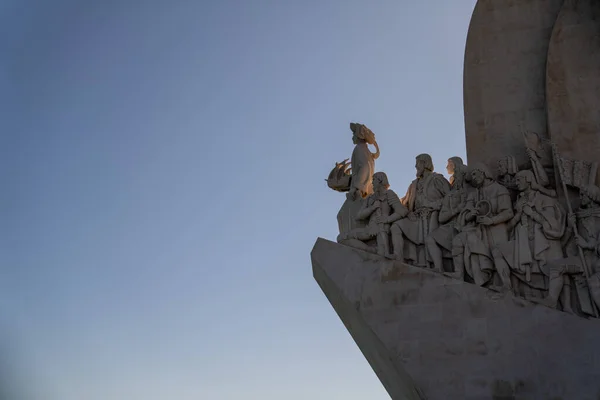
{"x":428,"y":336}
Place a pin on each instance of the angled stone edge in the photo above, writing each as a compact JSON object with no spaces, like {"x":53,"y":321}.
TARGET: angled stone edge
{"x":389,"y":370}
{"x":429,"y":336}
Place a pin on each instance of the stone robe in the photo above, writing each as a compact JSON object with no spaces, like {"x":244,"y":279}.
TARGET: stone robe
{"x":570,"y":270}
{"x":363,"y":168}
{"x":390,"y":204}
{"x":424,"y":199}
{"x":362,"y":238}
{"x":452,"y":205}
{"x":534,"y":244}
{"x":509,"y":182}
{"x":481,"y":243}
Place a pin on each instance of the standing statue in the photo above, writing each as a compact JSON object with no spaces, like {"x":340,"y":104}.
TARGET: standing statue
{"x":586,"y":222}
{"x":537,"y":228}
{"x":380,"y":209}
{"x":440,"y":239}
{"x":355,"y":177}
{"x":484,"y":232}
{"x":423,"y":200}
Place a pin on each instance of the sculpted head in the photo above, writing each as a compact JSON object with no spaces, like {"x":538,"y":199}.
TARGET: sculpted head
{"x":479,"y":173}
{"x":423,"y":163}
{"x":502,"y":166}
{"x":459,"y":175}
{"x":380,"y":182}
{"x":453,"y":163}
{"x":360,"y":133}
{"x":525,"y":180}
{"x":507,"y":166}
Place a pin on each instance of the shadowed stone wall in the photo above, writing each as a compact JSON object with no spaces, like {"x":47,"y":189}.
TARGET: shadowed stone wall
{"x":573,"y":81}
{"x":505,"y":76}
{"x":456,"y":340}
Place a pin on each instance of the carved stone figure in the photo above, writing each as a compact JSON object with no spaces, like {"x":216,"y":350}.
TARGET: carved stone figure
{"x":536,"y":231}
{"x":423,"y":200}
{"x":453,"y":164}
{"x":380,"y":209}
{"x":440,"y":239}
{"x":541,"y":165}
{"x":355,"y":177}
{"x":586,"y":220}
{"x":477,"y":249}
{"x":362,"y":161}
{"x":507,"y":169}
{"x":471,"y":221}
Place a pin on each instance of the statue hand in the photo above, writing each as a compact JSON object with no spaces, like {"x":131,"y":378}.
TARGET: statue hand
{"x":485,"y":221}
{"x":412,"y":216}
{"x":584,"y":244}
{"x":527,"y":209}
{"x":380,"y":220}
{"x":530,"y":153}
{"x":546,"y":226}
{"x":519,"y":206}
{"x":470,"y":215}
{"x":572,"y":220}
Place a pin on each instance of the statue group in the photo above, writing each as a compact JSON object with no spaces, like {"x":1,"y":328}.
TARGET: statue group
{"x":510,"y":230}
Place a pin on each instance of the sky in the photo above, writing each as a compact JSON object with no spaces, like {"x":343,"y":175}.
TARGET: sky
{"x":162,"y":169}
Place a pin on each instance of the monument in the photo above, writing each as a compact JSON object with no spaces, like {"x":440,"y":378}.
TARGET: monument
{"x":486,"y":285}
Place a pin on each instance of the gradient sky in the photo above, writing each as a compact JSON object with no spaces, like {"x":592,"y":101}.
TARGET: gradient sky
{"x":163,"y":184}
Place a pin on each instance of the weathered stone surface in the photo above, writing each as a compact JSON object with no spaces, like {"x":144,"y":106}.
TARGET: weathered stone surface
{"x":573,"y":81}
{"x":504,"y":76}
{"x":430,"y":336}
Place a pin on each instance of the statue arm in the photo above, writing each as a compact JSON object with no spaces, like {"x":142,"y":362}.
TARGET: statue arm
{"x":447,"y":212}
{"x":505,"y":210}
{"x":366,"y":211}
{"x":551,"y":216}
{"x":468,"y":213}
{"x":514,"y":220}
{"x":399,"y":210}
{"x":443,"y":188}
{"x":538,"y":169}
{"x":517,"y":213}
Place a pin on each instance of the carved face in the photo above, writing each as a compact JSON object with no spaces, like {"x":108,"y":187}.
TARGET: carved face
{"x":450,"y":167}
{"x":377,"y":185}
{"x":502,"y":166}
{"x":477,"y":178}
{"x":420,"y":166}
{"x":354,"y":139}
{"x":521,"y":183}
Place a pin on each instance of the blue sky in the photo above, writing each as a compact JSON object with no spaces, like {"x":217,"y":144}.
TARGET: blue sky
{"x":163,"y":184}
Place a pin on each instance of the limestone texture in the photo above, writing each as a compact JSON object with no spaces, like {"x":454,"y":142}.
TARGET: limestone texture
{"x":504,"y":79}
{"x":428,"y":336}
{"x":573,"y":81}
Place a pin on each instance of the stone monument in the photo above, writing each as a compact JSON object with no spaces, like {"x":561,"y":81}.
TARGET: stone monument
{"x":486,"y":285}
